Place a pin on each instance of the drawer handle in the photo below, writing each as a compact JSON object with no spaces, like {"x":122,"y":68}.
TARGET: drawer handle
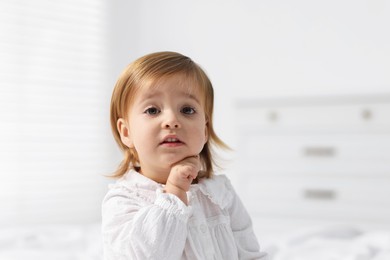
{"x":367,"y":114}
{"x":319,"y":151}
{"x":319,"y":194}
{"x":272,"y":116}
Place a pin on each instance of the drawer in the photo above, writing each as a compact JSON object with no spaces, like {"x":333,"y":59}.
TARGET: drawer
{"x":311,"y":153}
{"x":316,"y":147}
{"x":321,"y":118}
{"x":318,"y":198}
{"x":292,"y":168}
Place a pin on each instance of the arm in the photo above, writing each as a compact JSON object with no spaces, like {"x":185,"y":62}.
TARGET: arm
{"x":241,"y":224}
{"x":136,"y":229}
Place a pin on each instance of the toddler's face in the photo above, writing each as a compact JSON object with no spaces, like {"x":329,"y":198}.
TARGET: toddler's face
{"x":165,"y":125}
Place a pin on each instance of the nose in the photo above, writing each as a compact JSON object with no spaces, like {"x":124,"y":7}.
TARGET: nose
{"x":171,"y":121}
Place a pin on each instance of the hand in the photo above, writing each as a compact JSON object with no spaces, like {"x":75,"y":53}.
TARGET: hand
{"x":181,"y":176}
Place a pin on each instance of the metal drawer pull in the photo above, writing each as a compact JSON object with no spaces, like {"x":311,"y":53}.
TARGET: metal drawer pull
{"x":319,"y":194}
{"x":272,"y":116}
{"x":319,"y":151}
{"x":367,"y":114}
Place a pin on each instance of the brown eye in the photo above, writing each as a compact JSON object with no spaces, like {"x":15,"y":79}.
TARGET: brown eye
{"x":152,"y":111}
{"x":188,"y":110}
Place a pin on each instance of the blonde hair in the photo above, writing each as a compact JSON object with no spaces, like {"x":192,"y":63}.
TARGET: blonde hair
{"x":145,"y":71}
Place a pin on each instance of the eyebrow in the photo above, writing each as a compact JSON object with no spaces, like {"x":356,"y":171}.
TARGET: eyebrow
{"x":192,"y":97}
{"x":182,"y":93}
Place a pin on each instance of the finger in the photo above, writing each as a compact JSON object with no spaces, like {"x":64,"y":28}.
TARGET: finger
{"x":192,"y":156}
{"x":194,"y":174}
{"x":193,"y":159}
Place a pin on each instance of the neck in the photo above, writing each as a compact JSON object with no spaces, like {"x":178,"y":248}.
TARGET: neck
{"x":157,"y":175}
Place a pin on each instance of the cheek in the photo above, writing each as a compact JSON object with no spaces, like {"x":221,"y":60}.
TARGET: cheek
{"x":202,"y":138}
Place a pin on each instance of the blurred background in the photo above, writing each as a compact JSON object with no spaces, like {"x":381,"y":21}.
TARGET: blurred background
{"x":268,"y":61}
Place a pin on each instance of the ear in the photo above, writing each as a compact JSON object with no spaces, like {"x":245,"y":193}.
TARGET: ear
{"x":124,"y":132}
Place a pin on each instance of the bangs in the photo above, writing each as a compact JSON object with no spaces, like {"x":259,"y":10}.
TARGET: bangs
{"x":192,"y":85}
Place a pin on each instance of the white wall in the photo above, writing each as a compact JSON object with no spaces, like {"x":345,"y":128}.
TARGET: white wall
{"x":265,"y":48}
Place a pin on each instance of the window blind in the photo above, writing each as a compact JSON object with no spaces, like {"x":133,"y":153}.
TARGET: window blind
{"x":55,"y":142}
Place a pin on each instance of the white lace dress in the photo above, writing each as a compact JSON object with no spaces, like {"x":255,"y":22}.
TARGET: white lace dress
{"x":140,"y":221}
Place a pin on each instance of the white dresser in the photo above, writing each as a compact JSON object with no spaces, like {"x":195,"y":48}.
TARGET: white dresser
{"x":306,"y":162}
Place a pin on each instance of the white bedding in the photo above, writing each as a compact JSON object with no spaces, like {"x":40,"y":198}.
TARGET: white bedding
{"x":84,"y":243}
{"x":51,"y":242}
{"x":336,"y":243}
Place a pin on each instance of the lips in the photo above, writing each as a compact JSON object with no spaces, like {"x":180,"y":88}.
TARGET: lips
{"x":171,"y":140}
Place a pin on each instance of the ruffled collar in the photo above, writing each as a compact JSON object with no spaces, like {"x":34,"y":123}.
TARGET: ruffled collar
{"x":217,"y":188}
{"x":133,"y":178}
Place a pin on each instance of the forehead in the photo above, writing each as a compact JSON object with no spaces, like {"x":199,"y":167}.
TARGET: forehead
{"x":176,"y":85}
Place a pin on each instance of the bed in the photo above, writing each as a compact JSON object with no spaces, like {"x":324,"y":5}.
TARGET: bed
{"x":330,"y":243}
{"x":54,"y":242}
{"x":84,"y":243}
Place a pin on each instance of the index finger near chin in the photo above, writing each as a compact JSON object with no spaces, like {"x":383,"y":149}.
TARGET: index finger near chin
{"x":192,"y":157}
